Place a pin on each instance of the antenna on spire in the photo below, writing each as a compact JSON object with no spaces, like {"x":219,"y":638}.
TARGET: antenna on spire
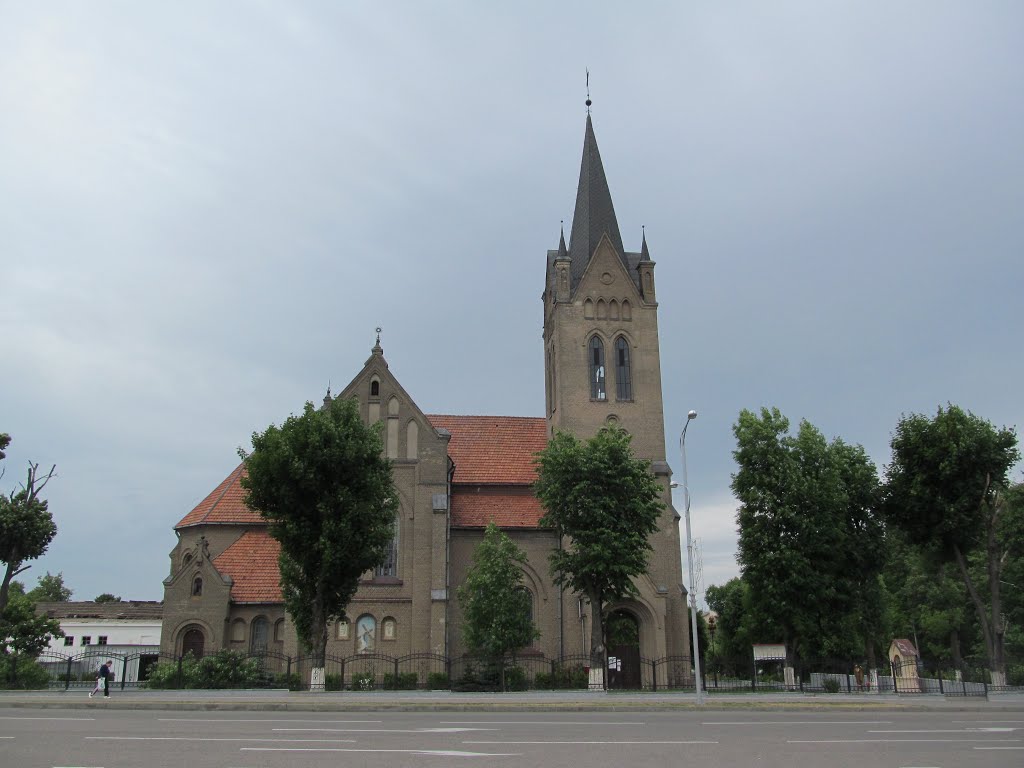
{"x":589,"y":102}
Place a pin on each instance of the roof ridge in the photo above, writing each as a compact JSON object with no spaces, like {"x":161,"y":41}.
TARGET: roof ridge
{"x":228,"y":482}
{"x":480,"y":416}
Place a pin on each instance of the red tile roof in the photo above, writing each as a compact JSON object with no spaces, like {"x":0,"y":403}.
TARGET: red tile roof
{"x":224,"y":505}
{"x":494,"y":450}
{"x":487,"y":450}
{"x":251,"y":562}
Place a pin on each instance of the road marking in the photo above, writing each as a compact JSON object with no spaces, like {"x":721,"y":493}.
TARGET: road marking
{"x":433,"y":752}
{"x":999,"y":747}
{"x":590,"y":742}
{"x":897,"y":741}
{"x":46,"y":718}
{"x":259,"y":720}
{"x":955,"y":730}
{"x":215,"y":738}
{"x":987,"y":721}
{"x":383,"y":730}
{"x":532,"y":722}
{"x":799,"y":722}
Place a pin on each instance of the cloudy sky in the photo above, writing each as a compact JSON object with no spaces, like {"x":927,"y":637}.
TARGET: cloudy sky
{"x":207,"y":208}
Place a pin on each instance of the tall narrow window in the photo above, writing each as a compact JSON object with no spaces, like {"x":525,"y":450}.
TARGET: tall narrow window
{"x":623,"y":382}
{"x":258,"y":636}
{"x":597,"y":390}
{"x":390,"y":565}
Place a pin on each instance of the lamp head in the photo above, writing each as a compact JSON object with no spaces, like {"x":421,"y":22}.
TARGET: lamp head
{"x":691,"y":415}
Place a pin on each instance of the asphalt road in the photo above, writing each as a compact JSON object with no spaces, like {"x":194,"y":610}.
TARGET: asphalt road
{"x":105,"y":738}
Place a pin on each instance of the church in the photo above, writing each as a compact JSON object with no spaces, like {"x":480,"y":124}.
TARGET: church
{"x":455,"y":474}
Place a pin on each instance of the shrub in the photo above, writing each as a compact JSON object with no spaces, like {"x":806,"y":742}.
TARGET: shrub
{"x":363,"y":681}
{"x":224,"y":669}
{"x":515,"y":679}
{"x":334,"y":683}
{"x":831,"y":685}
{"x":22,"y":673}
{"x":438,"y":681}
{"x":405,"y":681}
{"x":562,"y":678}
{"x":292,"y":682}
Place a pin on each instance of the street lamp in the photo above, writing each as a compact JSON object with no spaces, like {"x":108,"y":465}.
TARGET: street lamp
{"x":695,"y":647}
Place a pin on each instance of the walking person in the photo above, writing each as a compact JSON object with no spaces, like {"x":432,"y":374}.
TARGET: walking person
{"x":103,"y":680}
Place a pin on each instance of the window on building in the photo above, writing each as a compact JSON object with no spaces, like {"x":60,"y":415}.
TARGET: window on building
{"x":86,"y":640}
{"x":374,"y":388}
{"x":366,"y":634}
{"x":197,"y":586}
{"x":597,"y":390}
{"x":258,"y":635}
{"x":102,"y":640}
{"x":389,"y":629}
{"x":343,"y":629}
{"x":623,"y":380}
{"x":529,"y":600}
{"x":69,"y":640}
{"x":390,"y":565}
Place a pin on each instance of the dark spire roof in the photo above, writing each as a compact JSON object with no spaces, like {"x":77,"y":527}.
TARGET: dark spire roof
{"x":644,"y":253}
{"x":562,"y":250}
{"x":594,"y":215}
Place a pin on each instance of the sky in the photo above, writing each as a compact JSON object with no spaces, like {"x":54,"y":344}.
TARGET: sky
{"x":207,"y":208}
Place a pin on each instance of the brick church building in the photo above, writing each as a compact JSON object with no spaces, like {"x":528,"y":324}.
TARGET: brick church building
{"x":455,"y":474}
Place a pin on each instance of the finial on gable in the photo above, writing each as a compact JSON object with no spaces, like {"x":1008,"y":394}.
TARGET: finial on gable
{"x":377,"y":350}
{"x":644,"y":253}
{"x":588,"y":102}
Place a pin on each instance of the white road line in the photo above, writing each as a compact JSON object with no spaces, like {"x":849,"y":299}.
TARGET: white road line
{"x":898,"y":741}
{"x":381,"y":730}
{"x":954,"y":730}
{"x":6,"y":737}
{"x":998,"y":747}
{"x":47,"y":718}
{"x":590,"y":742}
{"x":799,"y":722}
{"x":987,"y":721}
{"x":433,"y":752}
{"x":533,"y":722}
{"x":260,"y":720}
{"x":215,"y":738}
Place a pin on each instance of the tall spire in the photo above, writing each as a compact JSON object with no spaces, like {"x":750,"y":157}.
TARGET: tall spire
{"x":645,"y":255}
{"x":594,"y":215}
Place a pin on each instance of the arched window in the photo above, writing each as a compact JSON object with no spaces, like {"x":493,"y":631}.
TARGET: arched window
{"x":588,"y":309}
{"x":390,"y":565}
{"x":237,"y":631}
{"x":388,"y":629}
{"x":623,"y":380}
{"x":258,"y":635}
{"x":186,"y":559}
{"x":197,"y":586}
{"x":412,"y":440}
{"x":366,"y":634}
{"x":528,"y":599}
{"x":602,"y":310}
{"x":193,"y":641}
{"x":597,"y":390}
{"x":613,"y":310}
{"x":627,"y":312}
{"x":279,"y":631}
{"x":374,"y":388}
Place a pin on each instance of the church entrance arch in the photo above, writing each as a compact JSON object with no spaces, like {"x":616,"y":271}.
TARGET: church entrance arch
{"x":623,"y":642}
{"x":193,"y":641}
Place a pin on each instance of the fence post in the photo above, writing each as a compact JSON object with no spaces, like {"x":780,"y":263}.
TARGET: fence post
{"x":124,"y":671}
{"x":654,"y":674}
{"x":396,"y":673}
{"x":341,"y":683}
{"x":67,"y":678}
{"x":179,"y":672}
{"x":288,"y":672}
{"x":892,"y":668}
{"x":849,"y":688}
{"x":940,"y":684}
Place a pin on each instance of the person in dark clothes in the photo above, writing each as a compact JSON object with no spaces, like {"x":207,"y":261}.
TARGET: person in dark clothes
{"x":106,"y":672}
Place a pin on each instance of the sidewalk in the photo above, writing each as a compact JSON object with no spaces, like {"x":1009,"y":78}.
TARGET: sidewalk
{"x":565,"y":701}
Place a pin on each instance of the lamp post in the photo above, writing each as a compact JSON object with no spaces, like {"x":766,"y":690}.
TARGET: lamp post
{"x":695,"y":647}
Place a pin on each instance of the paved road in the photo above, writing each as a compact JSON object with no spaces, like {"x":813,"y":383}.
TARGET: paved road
{"x":100,"y":737}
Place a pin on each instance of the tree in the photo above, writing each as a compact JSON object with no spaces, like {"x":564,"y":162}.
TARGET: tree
{"x":106,"y":597}
{"x":50,"y":589}
{"x":734,"y":630}
{"x":946,"y":490}
{"x":604,"y":504}
{"x":496,"y":607}
{"x":809,"y":535}
{"x":23,"y":632}
{"x":324,"y":486}
{"x":26,"y":525}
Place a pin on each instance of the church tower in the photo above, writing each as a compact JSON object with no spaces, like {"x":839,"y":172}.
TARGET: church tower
{"x":602,"y":363}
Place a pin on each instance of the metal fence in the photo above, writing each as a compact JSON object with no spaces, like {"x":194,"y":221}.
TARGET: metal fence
{"x":529,"y":671}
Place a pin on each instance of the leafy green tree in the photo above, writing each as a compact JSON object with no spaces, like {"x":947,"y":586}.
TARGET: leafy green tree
{"x":106,"y":597}
{"x":809,"y":535}
{"x":324,"y":486}
{"x":735,"y":633}
{"x":26,"y":525}
{"x":496,"y":609}
{"x":945,"y":489}
{"x":23,"y":631}
{"x":605,"y":504}
{"x":50,"y":589}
